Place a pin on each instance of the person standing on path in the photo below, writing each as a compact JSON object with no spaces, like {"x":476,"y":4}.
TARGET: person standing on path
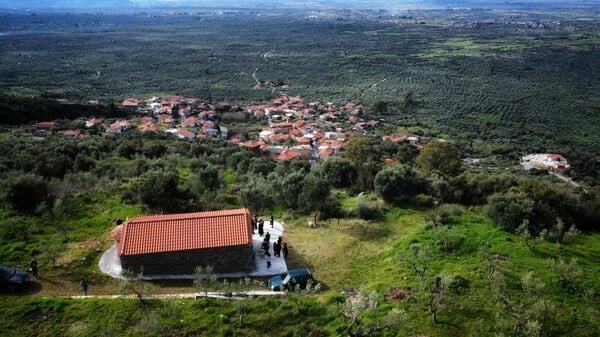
{"x":260,"y":228}
{"x":84,"y":286}
{"x":285,"y":250}
{"x":33,"y":265}
{"x":271,"y":220}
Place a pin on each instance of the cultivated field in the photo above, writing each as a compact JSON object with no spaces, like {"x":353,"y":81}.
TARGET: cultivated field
{"x":500,"y":82}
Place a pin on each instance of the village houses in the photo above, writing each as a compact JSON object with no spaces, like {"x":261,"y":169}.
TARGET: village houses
{"x":294,"y":129}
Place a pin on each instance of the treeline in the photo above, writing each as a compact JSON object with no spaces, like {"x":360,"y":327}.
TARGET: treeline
{"x":170,"y":175}
{"x":22,"y":110}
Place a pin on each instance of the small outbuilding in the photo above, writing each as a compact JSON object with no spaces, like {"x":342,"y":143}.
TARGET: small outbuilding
{"x":177,"y":243}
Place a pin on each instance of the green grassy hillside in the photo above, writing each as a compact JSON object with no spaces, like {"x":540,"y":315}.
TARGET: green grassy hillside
{"x":469,"y":251}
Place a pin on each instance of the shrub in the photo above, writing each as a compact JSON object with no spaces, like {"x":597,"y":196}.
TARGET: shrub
{"x":449,"y":241}
{"x":458,"y":284}
{"x":369,"y":210}
{"x":423,"y":200}
{"x":441,"y":215}
{"x":568,"y":273}
{"x":26,"y":191}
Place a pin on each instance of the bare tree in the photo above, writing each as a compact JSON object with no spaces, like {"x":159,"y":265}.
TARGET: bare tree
{"x":436,"y":294}
{"x":204,"y":279}
{"x":129,"y":285}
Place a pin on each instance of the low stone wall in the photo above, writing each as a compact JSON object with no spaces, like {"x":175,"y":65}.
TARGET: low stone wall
{"x":223,"y":259}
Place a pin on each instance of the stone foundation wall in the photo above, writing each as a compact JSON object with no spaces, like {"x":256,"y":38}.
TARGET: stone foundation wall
{"x":224,"y":260}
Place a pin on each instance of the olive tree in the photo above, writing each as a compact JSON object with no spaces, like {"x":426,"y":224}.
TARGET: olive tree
{"x":158,"y":188}
{"x":315,"y":190}
{"x":364,"y":314}
{"x":398,"y":182}
{"x":510,"y":209}
{"x":26,"y":191}
{"x":257,"y":194}
{"x":439,"y":156}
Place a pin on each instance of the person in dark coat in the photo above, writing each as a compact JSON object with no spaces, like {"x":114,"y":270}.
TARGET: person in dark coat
{"x":261,"y":227}
{"x":276,"y":249}
{"x":265,"y":248}
{"x":267,"y":237}
{"x":84,"y":286}
{"x":271,"y":220}
{"x":33,"y":265}
{"x":285,"y":250}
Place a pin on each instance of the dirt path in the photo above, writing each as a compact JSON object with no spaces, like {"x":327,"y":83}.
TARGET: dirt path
{"x":218,"y":295}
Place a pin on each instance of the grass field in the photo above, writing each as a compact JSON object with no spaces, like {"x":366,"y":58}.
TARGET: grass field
{"x":343,"y":254}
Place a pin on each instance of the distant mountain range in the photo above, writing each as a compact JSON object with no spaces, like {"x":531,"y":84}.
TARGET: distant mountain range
{"x":276,"y":3}
{"x":66,"y":3}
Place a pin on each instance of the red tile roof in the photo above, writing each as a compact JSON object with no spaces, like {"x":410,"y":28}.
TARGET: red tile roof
{"x":165,"y":118}
{"x":178,"y":232}
{"x":326,"y":151}
{"x":282,"y":125}
{"x":45,"y":125}
{"x":299,"y":123}
{"x":253,"y":144}
{"x":279,"y":137}
{"x":148,"y":127}
{"x":288,"y":155}
{"x":71,"y":133}
{"x":131,"y":102}
{"x":303,"y":140}
{"x":147,"y":119}
{"x":191,"y":121}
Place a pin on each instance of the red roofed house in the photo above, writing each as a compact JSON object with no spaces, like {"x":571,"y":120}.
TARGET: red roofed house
{"x":254,"y":146}
{"x":288,"y":154}
{"x":281,"y":127}
{"x":325,"y":152}
{"x":47,"y":126}
{"x":119,"y":127}
{"x":131,"y":102}
{"x":148,"y":127}
{"x":177,"y":243}
{"x":72,"y":133}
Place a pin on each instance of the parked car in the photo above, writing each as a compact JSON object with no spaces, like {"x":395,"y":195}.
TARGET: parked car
{"x":290,"y":279}
{"x":12,"y":278}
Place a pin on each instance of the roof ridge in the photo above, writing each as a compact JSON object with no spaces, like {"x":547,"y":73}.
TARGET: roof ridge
{"x":183,"y":216}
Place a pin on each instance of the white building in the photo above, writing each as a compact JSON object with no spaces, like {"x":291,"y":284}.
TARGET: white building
{"x":544,"y":161}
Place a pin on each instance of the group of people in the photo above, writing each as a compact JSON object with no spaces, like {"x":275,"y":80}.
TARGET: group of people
{"x":258,"y":224}
{"x":279,"y":246}
{"x":33,"y":268}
